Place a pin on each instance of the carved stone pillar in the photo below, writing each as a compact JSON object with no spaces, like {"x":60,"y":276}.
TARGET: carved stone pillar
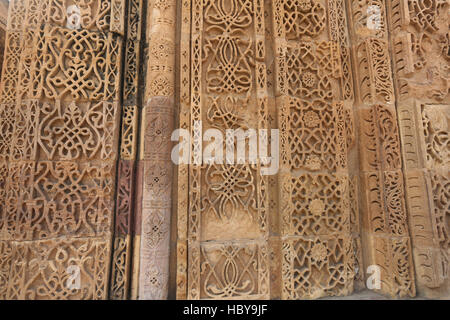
{"x":421,"y":55}
{"x":156,"y":167}
{"x":125,"y":237}
{"x":385,"y":230}
{"x":314,"y":97}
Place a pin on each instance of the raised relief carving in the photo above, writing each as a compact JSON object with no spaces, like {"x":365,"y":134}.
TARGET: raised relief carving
{"x":303,"y":18}
{"x":316,"y":267}
{"x":318,"y":205}
{"x":233,"y":270}
{"x":228,"y":91}
{"x":375,"y":72}
{"x":314,"y":128}
{"x":420,"y":45}
{"x":77,"y":64}
{"x":435,"y":120}
{"x":42,"y":269}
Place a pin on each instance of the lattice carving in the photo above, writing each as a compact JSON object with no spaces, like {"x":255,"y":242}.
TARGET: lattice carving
{"x":42,"y":269}
{"x":125,"y":194}
{"x":77,"y":64}
{"x":228,"y":90}
{"x":7,"y":121}
{"x":314,"y":134}
{"x":95,"y":15}
{"x":69,"y":198}
{"x":10,"y":70}
{"x":247,"y":64}
{"x":59,"y":117}
{"x":120,"y":269}
{"x":128,"y":143}
{"x":230,"y":190}
{"x":71,"y":131}
{"x":311,"y":69}
{"x":5,"y":267}
{"x":318,"y":205}
{"x":225,"y":46}
{"x":303,"y":18}
{"x":441,"y":189}
{"x":317,"y":267}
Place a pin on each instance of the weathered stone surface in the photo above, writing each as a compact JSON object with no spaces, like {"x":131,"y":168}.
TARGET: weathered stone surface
{"x":92,"y":206}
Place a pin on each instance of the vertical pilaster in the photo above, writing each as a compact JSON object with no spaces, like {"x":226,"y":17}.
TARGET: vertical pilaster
{"x":420,"y":43}
{"x":385,"y":231}
{"x":155,"y":150}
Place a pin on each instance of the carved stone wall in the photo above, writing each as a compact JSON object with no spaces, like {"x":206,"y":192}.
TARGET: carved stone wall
{"x":92,"y":206}
{"x":60,"y":108}
{"x":124,"y":275}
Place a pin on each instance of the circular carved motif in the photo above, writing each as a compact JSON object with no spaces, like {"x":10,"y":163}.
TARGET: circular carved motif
{"x":317,"y":207}
{"x":311,"y":119}
{"x":319,"y":252}
{"x":309,"y":79}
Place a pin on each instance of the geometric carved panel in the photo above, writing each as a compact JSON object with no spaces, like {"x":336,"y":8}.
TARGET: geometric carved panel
{"x":64,"y":198}
{"x":316,"y":267}
{"x":318,"y":205}
{"x":77,"y":65}
{"x":42,"y":269}
{"x":315,"y":132}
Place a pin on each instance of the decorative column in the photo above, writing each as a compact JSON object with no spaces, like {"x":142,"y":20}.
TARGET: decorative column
{"x":156,"y":167}
{"x":420,"y":41}
{"x":385,"y":232}
{"x":124,"y":231}
{"x":318,"y":210}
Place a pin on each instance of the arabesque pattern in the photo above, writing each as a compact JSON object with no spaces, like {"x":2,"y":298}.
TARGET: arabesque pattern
{"x":92,"y":207}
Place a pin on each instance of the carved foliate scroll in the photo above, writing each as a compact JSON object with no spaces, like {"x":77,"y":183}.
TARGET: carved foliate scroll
{"x":384,"y":212}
